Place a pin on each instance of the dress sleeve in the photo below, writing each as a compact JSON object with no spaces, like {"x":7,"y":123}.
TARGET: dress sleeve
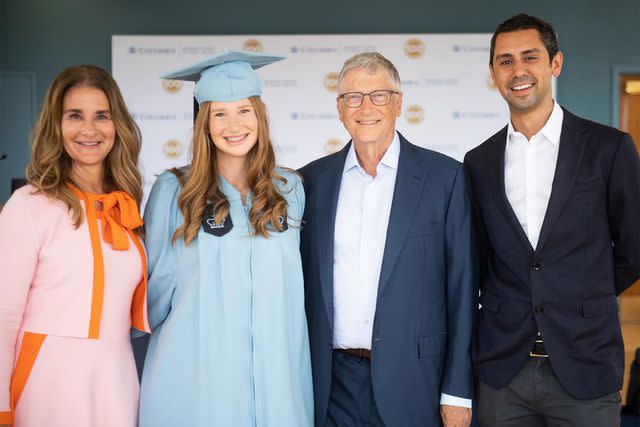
{"x":19,"y":249}
{"x":160,"y":223}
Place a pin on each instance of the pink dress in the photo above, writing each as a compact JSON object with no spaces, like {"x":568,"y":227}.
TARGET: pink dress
{"x":81,"y":375}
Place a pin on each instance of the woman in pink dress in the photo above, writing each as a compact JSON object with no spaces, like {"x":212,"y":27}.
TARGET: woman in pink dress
{"x":73,"y":268}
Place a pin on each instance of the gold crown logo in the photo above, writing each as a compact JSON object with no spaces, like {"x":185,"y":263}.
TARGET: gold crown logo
{"x":252,"y":45}
{"x":172,"y":149}
{"x":331,"y":81}
{"x":171,"y":86}
{"x":333,"y":145}
{"x":414,"y":114}
{"x":414,"y":48}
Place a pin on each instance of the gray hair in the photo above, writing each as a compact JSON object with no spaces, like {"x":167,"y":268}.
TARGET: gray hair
{"x":372,"y":62}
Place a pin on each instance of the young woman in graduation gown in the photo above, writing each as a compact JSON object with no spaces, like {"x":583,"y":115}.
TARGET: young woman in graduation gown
{"x":73,"y":266}
{"x":226,"y":299}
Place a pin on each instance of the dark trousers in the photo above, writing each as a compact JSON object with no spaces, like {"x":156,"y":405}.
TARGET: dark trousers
{"x":351,"y":401}
{"x":535,"y":398}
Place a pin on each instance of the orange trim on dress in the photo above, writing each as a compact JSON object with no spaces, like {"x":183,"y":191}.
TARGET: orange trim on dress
{"x":120,"y":216}
{"x":31,"y":344}
{"x":97,"y":297}
{"x":139,"y":319}
{"x":97,"y":294}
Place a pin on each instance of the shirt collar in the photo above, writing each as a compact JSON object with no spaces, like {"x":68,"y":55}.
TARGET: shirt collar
{"x":551,"y":130}
{"x":390,"y":158}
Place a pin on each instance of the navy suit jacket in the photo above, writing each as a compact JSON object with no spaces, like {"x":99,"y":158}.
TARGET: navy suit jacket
{"x":588,"y":252}
{"x":422,"y":328}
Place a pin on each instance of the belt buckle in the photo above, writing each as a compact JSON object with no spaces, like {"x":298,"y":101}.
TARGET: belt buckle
{"x":532,"y":354}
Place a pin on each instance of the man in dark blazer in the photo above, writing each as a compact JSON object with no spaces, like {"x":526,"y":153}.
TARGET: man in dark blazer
{"x":388,"y":267}
{"x":556,"y":205}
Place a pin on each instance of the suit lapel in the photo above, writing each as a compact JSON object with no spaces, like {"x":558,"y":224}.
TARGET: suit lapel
{"x":570,"y":155}
{"x":496,"y":169}
{"x":410,"y":180}
{"x":327,"y":192}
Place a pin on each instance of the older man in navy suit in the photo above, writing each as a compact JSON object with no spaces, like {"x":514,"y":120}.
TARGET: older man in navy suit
{"x":558,"y":208}
{"x":388,"y":264}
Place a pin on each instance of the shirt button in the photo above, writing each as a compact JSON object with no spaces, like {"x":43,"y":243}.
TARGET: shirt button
{"x":539,"y":310}
{"x":536,"y":267}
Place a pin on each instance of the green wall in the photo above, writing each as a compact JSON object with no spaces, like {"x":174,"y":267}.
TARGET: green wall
{"x":39,"y":38}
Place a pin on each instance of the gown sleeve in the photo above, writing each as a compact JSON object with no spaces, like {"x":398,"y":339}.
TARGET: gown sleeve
{"x":297,"y":199}
{"x":160,"y":219}
{"x":19,"y":249}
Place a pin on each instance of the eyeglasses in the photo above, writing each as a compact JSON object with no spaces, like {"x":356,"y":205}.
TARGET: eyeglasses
{"x":378,"y":97}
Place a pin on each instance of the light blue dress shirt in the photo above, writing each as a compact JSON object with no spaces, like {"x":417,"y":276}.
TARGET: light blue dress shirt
{"x":229,"y":344}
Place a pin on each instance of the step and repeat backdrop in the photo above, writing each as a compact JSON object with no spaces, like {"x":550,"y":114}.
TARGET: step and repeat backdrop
{"x":449,"y":103}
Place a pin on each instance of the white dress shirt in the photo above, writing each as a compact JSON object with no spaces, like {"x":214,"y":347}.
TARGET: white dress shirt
{"x":360,"y":234}
{"x":362,"y":218}
{"x":529,"y":167}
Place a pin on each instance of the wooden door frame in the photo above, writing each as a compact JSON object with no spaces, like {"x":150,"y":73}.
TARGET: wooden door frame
{"x":615,"y":91}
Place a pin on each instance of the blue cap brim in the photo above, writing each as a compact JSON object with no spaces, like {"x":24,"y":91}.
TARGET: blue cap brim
{"x":192,"y":72}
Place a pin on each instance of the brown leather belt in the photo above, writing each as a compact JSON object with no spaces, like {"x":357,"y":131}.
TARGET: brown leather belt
{"x":360,"y":353}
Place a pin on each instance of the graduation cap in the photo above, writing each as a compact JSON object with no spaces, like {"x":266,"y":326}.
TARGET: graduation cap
{"x":227,"y":76}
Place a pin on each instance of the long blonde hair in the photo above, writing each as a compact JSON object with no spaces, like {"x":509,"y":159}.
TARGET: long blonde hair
{"x":200,"y":184}
{"x":50,"y":165}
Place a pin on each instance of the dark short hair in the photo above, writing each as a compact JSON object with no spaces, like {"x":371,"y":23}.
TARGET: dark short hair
{"x":523,"y":21}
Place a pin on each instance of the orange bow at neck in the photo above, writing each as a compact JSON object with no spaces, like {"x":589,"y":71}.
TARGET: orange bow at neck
{"x":119,"y":214}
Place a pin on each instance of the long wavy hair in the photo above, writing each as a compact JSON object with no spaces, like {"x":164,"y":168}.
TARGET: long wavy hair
{"x":50,"y":165}
{"x":200,"y":183}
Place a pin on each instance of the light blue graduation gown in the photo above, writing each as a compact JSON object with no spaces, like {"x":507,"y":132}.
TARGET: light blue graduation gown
{"x":229,"y":345}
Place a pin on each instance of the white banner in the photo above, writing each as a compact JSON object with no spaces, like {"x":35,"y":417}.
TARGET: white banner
{"x":449,"y":102}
